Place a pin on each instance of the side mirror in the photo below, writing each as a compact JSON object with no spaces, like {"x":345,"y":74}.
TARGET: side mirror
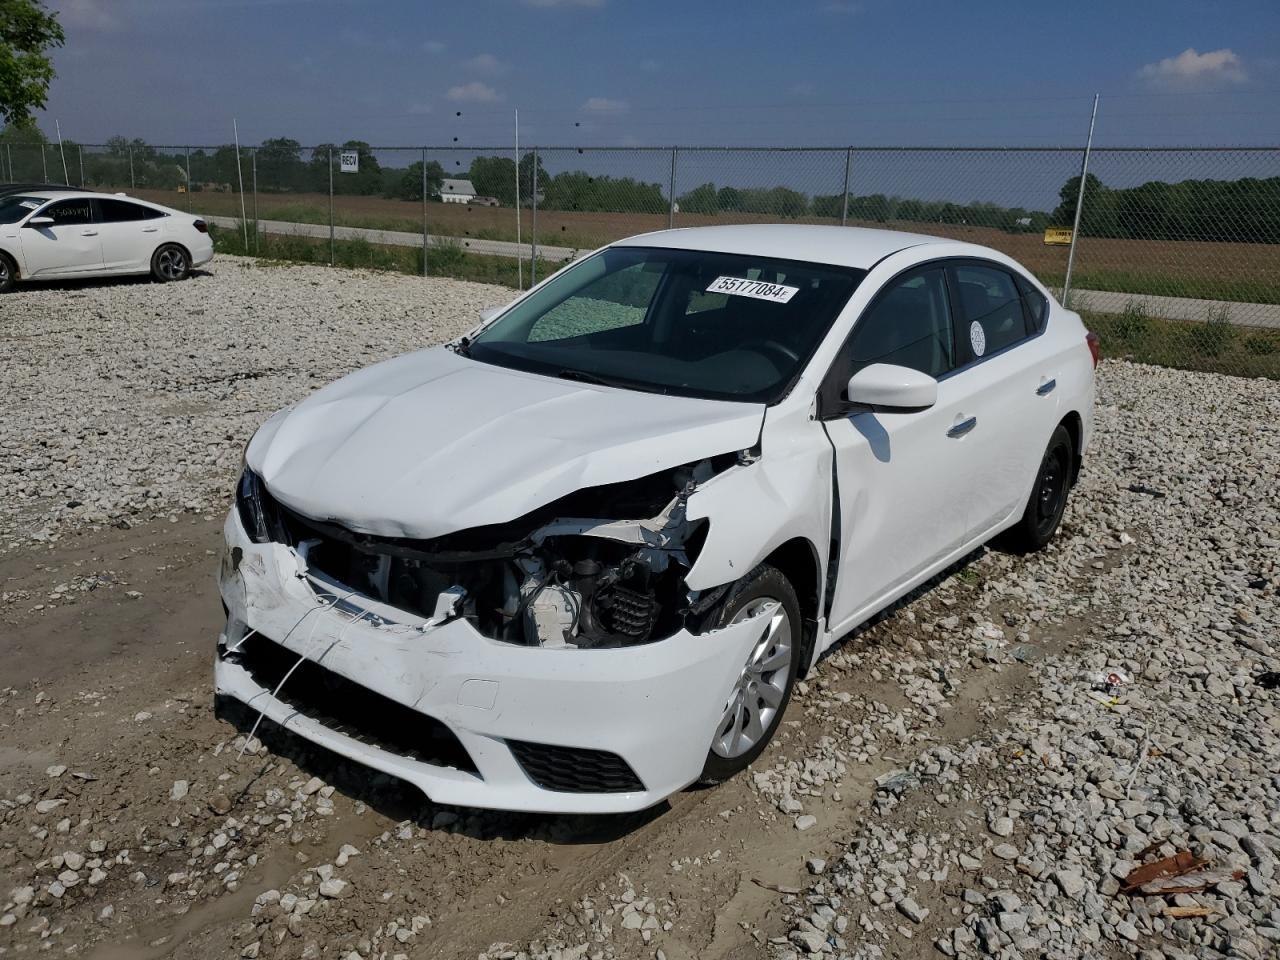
{"x":488,"y":313}
{"x":891,"y":387}
{"x":40,"y":222}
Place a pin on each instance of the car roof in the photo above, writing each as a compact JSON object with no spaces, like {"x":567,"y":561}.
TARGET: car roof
{"x":859,"y":247}
{"x":63,"y":193}
{"x":38,"y":189}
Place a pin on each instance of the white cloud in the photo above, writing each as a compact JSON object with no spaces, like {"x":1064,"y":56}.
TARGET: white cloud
{"x":604,"y":107}
{"x":432,"y":46}
{"x":418,"y":108}
{"x":473,"y":92}
{"x":564,"y":3}
{"x":649,"y":65}
{"x":1191,"y":69}
{"x":487,"y":64}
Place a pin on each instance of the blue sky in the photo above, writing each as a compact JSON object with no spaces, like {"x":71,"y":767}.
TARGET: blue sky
{"x":592,"y":72}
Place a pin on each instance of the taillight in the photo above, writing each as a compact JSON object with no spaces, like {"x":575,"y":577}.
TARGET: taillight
{"x":1095,"y":345}
{"x":201,"y":226}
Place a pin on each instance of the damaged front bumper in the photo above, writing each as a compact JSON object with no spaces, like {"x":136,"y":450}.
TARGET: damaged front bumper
{"x":470,"y":720}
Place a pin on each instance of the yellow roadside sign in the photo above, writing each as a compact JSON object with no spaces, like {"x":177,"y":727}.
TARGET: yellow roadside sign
{"x":1057,"y":236}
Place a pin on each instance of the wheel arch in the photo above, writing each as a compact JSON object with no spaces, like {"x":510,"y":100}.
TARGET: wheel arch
{"x":1074,"y":425}
{"x":797,"y":559}
{"x":14,"y":264}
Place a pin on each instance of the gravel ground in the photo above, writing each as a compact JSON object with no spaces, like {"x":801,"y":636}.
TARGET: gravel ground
{"x":126,"y":400}
{"x":956,"y":779}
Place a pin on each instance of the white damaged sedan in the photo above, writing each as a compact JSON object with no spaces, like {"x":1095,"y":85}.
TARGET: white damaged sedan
{"x":577,"y":559}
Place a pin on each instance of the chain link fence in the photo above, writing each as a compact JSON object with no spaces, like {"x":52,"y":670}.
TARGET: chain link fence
{"x":1176,"y":259}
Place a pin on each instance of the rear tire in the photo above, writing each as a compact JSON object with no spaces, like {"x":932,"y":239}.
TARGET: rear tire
{"x":169,"y":263}
{"x":8,"y":273}
{"x":1048,"y":498}
{"x":760,"y":697}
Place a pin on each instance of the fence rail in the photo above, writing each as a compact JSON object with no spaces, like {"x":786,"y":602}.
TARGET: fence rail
{"x":1173,"y":244}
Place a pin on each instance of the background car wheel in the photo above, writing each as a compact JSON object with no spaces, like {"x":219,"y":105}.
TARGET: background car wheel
{"x":170,"y":263}
{"x":1048,"y":498}
{"x":8,"y":273}
{"x":760,"y":696}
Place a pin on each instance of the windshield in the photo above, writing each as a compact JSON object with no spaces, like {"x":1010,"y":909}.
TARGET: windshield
{"x":686,"y":322}
{"x":13,"y":209}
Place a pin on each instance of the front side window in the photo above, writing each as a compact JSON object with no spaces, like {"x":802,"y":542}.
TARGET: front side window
{"x":685,"y":322}
{"x":69,"y":213}
{"x":13,"y":209}
{"x":121,"y":211}
{"x":990,"y":310}
{"x":909,"y":324}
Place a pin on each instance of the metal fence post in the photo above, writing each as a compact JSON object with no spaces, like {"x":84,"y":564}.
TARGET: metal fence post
{"x":188,"y":179}
{"x":332,"y":251}
{"x":425,"y":241}
{"x":44,"y":163}
{"x":80,"y":150}
{"x":533,"y":237}
{"x":133,"y":183}
{"x":844,"y":206}
{"x":257,"y":224}
{"x":8,"y":149}
{"x":671,"y":190}
{"x":1075,"y":227}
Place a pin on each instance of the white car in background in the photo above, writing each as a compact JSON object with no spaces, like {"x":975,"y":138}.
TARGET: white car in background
{"x":62,"y":234}
{"x":576,"y":560}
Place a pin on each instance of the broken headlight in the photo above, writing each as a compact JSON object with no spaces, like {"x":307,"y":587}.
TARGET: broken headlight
{"x":249,"y":505}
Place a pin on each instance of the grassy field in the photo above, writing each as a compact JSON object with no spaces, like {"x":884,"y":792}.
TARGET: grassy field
{"x":1241,"y":272}
{"x":1215,"y":346}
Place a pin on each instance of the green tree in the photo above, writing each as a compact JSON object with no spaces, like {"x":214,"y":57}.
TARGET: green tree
{"x":27,"y":33}
{"x":408,"y":183}
{"x":280,"y":165}
{"x":730,"y":200}
{"x":494,"y":177}
{"x":701,"y":199}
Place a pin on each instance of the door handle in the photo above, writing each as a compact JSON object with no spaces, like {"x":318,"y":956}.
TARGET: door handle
{"x":89,"y":233}
{"x":1046,"y":388}
{"x":150,"y":229}
{"x":963,"y":427}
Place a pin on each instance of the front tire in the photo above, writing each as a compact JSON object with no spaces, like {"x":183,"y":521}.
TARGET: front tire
{"x":8,"y":273}
{"x":763,"y":690}
{"x":169,"y":263}
{"x":1048,"y":499}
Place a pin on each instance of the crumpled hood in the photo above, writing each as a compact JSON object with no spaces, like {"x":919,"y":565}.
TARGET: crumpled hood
{"x":430,"y":443}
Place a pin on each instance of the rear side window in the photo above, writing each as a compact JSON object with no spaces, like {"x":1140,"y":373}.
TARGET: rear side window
{"x":121,"y":211}
{"x":1034,"y":305}
{"x":908,"y":325}
{"x":69,"y":213}
{"x":990,"y":310}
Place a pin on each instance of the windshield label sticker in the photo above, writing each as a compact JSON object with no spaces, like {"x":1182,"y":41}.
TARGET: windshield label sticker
{"x":31,"y":204}
{"x":977,"y":338}
{"x":757,"y":289}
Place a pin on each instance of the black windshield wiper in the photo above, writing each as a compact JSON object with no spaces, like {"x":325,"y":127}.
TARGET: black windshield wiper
{"x":583,"y":377}
{"x":461,"y":347}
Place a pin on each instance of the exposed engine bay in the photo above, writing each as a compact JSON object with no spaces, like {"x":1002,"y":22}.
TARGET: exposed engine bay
{"x":601,"y":567}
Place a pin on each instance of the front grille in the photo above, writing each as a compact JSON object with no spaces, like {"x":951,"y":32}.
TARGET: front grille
{"x":348,"y":708}
{"x":575,"y":769}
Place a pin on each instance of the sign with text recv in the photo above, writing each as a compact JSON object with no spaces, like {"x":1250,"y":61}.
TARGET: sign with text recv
{"x":349,"y":161}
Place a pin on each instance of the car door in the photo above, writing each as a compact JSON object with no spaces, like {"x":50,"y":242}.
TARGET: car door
{"x":900,"y":509}
{"x":130,"y":234}
{"x":1006,"y":369}
{"x":68,"y":246}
